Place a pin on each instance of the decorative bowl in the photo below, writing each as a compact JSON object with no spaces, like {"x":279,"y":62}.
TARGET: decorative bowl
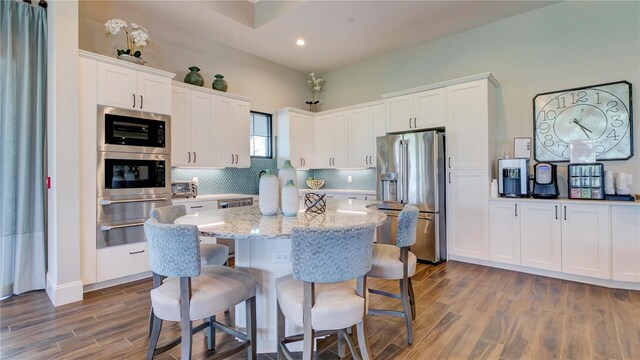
{"x":315,"y":184}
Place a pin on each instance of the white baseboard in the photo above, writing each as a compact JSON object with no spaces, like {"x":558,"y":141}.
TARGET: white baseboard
{"x":64,"y":293}
{"x":554,"y":274}
{"x":118,"y":281}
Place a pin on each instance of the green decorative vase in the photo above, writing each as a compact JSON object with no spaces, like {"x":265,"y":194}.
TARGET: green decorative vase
{"x":193,"y":77}
{"x":219,"y":83}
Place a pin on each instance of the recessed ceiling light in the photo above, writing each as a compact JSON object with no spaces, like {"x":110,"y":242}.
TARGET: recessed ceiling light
{"x":351,"y":20}
{"x":300,"y":42}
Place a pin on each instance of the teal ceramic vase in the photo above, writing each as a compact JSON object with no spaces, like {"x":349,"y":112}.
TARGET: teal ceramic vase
{"x":194,"y":77}
{"x":290,"y":200}
{"x":219,"y":83}
{"x":287,"y":172}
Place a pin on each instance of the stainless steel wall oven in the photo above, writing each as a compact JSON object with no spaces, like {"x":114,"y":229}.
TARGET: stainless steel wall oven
{"x":133,"y":131}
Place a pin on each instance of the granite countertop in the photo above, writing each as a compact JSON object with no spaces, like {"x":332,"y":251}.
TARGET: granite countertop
{"x":339,"y":191}
{"x":248,"y":222}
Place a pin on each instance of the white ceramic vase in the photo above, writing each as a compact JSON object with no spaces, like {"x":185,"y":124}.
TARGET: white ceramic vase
{"x":287,"y":172}
{"x":269,"y":194}
{"x":290,"y":199}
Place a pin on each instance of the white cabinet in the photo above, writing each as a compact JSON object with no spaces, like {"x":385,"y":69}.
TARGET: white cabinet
{"x":468,"y":214}
{"x":296,"y":135}
{"x":193,"y":127}
{"x":127,"y":88}
{"x":504,"y":231}
{"x":421,"y":110}
{"x":332,"y":140}
{"x":540,"y":235}
{"x":625,"y":243}
{"x":586,"y":240}
{"x":119,"y":261}
{"x":233,"y":132}
{"x":365,"y":124}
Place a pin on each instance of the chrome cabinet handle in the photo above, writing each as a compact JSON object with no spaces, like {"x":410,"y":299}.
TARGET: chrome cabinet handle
{"x":113,"y":227}
{"x":231,"y":158}
{"x":449,"y":162}
{"x":352,"y":197}
{"x":196,"y":207}
{"x":449,"y":177}
{"x":565,"y":212}
{"x":237,"y":161}
{"x":195,"y":157}
{"x":126,"y":201}
{"x":415,"y":122}
{"x":136,"y":252}
{"x":141,"y":101}
{"x":300,"y":161}
{"x":410,"y":124}
{"x":304,"y":161}
{"x":134,"y":100}
{"x":556,"y":212}
{"x":189,"y":161}
{"x":516,"y":209}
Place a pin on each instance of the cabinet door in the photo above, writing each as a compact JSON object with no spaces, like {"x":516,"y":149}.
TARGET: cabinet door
{"x":203,"y":130}
{"x":504,"y":231}
{"x":467,"y":122}
{"x":223,"y":139}
{"x":467,"y":214}
{"x":301,"y":138}
{"x":340,"y":134}
{"x":586,"y":240}
{"x":117,"y":86}
{"x":154,"y":93}
{"x":361,"y":136}
{"x":625,"y":240}
{"x":180,"y":127}
{"x":240,"y":133}
{"x":324,"y":136}
{"x":399,"y":113}
{"x":540,"y":235}
{"x":376,"y":118}
{"x":429,"y":109}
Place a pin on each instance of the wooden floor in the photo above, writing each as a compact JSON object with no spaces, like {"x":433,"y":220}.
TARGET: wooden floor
{"x":464,"y":311}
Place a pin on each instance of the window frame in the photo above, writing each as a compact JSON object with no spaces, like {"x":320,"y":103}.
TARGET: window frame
{"x":270,"y":131}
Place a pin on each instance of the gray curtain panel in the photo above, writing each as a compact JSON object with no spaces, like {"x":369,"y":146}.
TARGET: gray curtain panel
{"x":23,"y":80}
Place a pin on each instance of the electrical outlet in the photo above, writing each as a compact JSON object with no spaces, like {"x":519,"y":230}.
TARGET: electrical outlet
{"x":349,"y":179}
{"x":281,"y":257}
{"x":194,"y":179}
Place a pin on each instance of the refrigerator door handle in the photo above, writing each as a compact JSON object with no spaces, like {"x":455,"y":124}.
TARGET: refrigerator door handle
{"x":405,"y":170}
{"x":400,"y":180}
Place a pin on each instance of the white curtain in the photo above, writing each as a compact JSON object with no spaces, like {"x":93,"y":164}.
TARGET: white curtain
{"x":23,"y":74}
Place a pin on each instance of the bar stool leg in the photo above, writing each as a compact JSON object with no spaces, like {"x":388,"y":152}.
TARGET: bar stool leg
{"x":404,"y":297}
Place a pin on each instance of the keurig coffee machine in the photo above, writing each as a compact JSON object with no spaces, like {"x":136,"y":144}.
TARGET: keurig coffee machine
{"x":545,"y":184}
{"x":513,"y":177}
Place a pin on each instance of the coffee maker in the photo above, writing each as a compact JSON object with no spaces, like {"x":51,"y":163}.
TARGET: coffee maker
{"x":513,"y":177}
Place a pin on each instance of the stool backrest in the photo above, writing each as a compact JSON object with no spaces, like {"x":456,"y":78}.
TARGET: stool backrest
{"x":174,"y":250}
{"x":168,"y":214}
{"x":407,"y":224}
{"x":326,"y":255}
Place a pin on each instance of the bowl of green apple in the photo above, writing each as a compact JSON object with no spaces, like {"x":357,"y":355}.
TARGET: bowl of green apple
{"x":315,"y":184}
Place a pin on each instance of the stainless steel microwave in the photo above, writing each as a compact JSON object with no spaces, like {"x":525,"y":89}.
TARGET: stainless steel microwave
{"x":123,"y":130}
{"x":121,"y":174}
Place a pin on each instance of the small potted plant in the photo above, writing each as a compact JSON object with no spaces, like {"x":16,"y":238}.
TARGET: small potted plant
{"x":137,"y":38}
{"x":315,"y":83}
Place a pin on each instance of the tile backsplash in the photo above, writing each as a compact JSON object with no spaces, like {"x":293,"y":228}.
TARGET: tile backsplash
{"x":245,"y":181}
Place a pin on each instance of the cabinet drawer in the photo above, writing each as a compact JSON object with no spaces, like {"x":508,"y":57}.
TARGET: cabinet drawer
{"x":124,"y":260}
{"x":198,"y":206}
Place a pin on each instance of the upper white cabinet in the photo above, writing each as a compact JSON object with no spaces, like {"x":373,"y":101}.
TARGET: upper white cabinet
{"x":625,"y":243}
{"x":365,"y":124}
{"x":296,"y":138}
{"x":233,"y":132}
{"x":124,"y":87}
{"x":421,"y":110}
{"x":586,"y":240}
{"x":332,"y":140}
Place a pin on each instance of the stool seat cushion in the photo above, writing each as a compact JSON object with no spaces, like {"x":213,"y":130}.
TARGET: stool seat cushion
{"x":337,"y":306}
{"x":213,"y":254}
{"x":386,"y":262}
{"x":216,"y":289}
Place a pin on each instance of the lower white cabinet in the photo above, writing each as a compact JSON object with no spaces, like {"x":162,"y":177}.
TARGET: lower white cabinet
{"x":119,"y":261}
{"x":586,"y":240}
{"x":625,"y":243}
{"x":540,"y":235}
{"x":504,"y":230}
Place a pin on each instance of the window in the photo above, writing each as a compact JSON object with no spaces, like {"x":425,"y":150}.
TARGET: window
{"x":260,"y":135}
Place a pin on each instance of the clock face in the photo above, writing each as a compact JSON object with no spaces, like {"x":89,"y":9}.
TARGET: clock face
{"x":599,"y":115}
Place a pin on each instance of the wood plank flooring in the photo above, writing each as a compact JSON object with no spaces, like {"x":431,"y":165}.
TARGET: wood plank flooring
{"x":464,"y":311}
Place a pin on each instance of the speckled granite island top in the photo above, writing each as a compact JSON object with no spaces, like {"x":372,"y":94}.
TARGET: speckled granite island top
{"x":248,"y":222}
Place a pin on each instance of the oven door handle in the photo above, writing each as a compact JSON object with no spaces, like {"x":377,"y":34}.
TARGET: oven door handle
{"x":113,"y":227}
{"x":109,"y":202}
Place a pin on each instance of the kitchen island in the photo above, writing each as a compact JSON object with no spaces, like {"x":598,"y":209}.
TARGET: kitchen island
{"x":263,"y":248}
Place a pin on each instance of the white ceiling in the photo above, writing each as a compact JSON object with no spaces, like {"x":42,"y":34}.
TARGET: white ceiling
{"x":269,"y":29}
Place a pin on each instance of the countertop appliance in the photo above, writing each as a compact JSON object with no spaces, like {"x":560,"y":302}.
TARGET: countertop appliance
{"x":411,"y":171}
{"x":232,"y":203}
{"x":184,"y":189}
{"x":513,"y":177}
{"x":545,"y":183}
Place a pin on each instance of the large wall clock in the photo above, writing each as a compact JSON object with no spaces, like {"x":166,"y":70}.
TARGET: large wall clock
{"x":598,"y":113}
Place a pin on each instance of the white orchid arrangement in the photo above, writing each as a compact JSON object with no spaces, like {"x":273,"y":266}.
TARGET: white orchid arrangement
{"x":315,"y":83}
{"x":137,"y":36}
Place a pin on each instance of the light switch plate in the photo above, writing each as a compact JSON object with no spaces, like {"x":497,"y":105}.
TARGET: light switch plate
{"x":349,"y":179}
{"x":282,"y":257}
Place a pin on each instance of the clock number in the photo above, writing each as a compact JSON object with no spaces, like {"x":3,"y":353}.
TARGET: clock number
{"x":563,"y":147}
{"x":599,"y":149}
{"x":561,"y":105}
{"x":613,"y":135}
{"x":615,"y":121}
{"x":549,"y":115}
{"x":598,"y":98}
{"x":548,"y":140}
{"x":612,"y":106}
{"x":582,"y":97}
{"x":544,"y":127}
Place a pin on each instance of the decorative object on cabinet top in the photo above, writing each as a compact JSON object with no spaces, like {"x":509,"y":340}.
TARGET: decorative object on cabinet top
{"x":315,"y":83}
{"x":219,"y":83}
{"x":118,"y":62}
{"x":136,"y":35}
{"x":210,"y":91}
{"x":193,"y":77}
{"x":315,"y":183}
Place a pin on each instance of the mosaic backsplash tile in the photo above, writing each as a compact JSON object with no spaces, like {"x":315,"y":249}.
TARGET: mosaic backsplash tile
{"x":245,"y":181}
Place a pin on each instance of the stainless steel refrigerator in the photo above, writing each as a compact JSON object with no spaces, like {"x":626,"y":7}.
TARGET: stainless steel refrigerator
{"x":411,"y":171}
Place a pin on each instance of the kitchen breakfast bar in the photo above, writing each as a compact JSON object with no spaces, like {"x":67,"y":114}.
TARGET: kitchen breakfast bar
{"x":263,"y":249}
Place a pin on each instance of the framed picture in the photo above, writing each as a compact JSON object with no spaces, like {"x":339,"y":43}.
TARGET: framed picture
{"x":522,"y":148}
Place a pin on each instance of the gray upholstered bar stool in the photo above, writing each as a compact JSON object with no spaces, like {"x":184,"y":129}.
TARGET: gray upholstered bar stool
{"x":396,"y":262}
{"x":321,"y":295}
{"x":211,"y":254}
{"x":185,"y":291}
